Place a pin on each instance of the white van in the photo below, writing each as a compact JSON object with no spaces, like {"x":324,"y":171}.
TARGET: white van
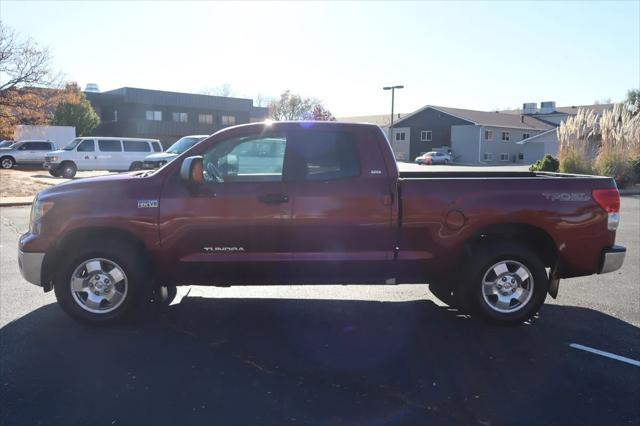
{"x":100,"y":153}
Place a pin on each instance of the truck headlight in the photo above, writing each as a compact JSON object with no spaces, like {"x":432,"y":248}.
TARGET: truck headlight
{"x":54,"y":158}
{"x":39,"y":209}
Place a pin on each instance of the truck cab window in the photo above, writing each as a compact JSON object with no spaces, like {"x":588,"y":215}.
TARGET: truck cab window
{"x":320,"y":155}
{"x":246,"y":159}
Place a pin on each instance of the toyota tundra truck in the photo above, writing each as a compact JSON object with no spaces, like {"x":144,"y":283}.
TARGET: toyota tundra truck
{"x":317,"y":203}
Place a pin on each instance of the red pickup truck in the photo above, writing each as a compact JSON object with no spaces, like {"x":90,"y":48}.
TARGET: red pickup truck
{"x":322,"y":203}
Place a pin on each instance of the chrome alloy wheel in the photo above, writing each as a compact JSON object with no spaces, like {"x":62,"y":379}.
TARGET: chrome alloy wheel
{"x":507,"y":286}
{"x":7,"y":163}
{"x":99,"y":285}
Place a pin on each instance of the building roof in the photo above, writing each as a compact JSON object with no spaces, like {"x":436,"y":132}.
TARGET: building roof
{"x":380,"y":119}
{"x":570,"y":110}
{"x":484,"y":118}
{"x":536,"y":138}
{"x":161,"y":97}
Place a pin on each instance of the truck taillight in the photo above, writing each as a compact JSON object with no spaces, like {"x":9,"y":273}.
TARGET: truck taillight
{"x":609,"y":201}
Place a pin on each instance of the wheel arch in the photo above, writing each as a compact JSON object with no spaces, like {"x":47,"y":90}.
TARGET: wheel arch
{"x":85,"y":235}
{"x":537,"y":239}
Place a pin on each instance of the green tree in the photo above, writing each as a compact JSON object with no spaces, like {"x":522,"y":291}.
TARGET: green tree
{"x":77,"y":113}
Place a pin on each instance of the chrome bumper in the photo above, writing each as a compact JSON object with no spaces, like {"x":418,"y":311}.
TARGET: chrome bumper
{"x":612,"y":259}
{"x":30,"y":266}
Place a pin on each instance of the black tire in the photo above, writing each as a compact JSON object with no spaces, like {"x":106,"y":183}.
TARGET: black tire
{"x":514,"y":257}
{"x":68,"y":170}
{"x":135,"y":166}
{"x":7,"y":162}
{"x":136,"y":279}
{"x":54,"y":172}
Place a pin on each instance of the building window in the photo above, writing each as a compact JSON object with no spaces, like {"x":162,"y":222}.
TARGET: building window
{"x":504,"y":157}
{"x":180,"y":117}
{"x":426,"y":135}
{"x":526,"y":136}
{"x":488,"y":135}
{"x":228,"y":120}
{"x":487,"y":156}
{"x":400,"y":136}
{"x":205,"y":118}
{"x":505,"y":136}
{"x":520,"y":156}
{"x":154,"y":115}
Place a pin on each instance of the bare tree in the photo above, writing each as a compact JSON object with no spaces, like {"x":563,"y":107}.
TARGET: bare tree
{"x":27,"y":82}
{"x":291,"y":106}
{"x":261,"y":100}
{"x":220,"y":90}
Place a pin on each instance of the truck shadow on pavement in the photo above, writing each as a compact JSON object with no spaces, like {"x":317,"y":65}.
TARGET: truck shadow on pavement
{"x":284,"y":361}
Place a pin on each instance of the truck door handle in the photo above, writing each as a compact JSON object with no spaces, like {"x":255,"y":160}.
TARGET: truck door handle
{"x":274,"y":198}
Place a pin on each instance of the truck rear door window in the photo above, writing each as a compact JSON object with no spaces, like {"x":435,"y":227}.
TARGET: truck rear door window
{"x":106,"y":145}
{"x":255,"y":158}
{"x":320,"y":155}
{"x":156,"y":147}
{"x":136,"y":146}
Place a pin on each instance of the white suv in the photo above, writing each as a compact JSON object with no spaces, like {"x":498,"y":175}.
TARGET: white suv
{"x":100,"y":153}
{"x":31,"y":152}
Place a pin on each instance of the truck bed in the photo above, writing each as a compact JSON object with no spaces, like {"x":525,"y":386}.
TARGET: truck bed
{"x":486,"y":174}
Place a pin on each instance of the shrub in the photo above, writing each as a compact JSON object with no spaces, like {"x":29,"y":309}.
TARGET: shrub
{"x":635,"y":166}
{"x":616,"y":165}
{"x":575,"y":161}
{"x":547,"y":164}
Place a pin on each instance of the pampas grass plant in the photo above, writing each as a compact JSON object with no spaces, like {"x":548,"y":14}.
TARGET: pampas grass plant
{"x":605,"y":145}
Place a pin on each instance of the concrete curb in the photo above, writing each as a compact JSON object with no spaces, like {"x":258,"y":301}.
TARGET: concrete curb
{"x":630,"y":191}
{"x":15,"y":201}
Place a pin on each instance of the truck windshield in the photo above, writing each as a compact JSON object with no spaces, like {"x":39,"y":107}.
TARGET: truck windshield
{"x":182,"y":144}
{"x":72,"y":144}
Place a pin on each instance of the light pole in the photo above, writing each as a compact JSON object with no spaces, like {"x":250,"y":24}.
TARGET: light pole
{"x":393,"y":92}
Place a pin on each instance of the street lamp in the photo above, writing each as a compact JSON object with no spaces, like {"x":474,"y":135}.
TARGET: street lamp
{"x":393,"y":92}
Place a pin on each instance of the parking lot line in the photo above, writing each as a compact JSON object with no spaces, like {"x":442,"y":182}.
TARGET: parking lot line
{"x":605,"y":354}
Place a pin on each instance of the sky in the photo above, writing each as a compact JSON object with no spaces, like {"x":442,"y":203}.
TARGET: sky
{"x":476,"y":55}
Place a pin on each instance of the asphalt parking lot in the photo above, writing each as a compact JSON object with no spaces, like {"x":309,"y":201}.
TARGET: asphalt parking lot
{"x":323,"y":355}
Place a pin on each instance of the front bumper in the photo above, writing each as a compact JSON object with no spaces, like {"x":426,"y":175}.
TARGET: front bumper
{"x":612,"y":259}
{"x":31,"y":266}
{"x":50,"y":166}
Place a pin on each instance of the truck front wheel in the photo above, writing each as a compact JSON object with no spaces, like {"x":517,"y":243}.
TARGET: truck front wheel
{"x":507,"y":283}
{"x":103,"y":283}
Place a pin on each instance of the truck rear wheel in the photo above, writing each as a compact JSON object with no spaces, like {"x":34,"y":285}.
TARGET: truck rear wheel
{"x":507,"y":283}
{"x":103,"y":283}
{"x":135,"y":166}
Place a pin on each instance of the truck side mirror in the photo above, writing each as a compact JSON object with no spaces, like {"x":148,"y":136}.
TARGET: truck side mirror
{"x":191,"y":170}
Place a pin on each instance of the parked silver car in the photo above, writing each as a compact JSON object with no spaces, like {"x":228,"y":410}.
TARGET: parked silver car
{"x":433,"y":157}
{"x":30,"y":152}
{"x":159,"y":159}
